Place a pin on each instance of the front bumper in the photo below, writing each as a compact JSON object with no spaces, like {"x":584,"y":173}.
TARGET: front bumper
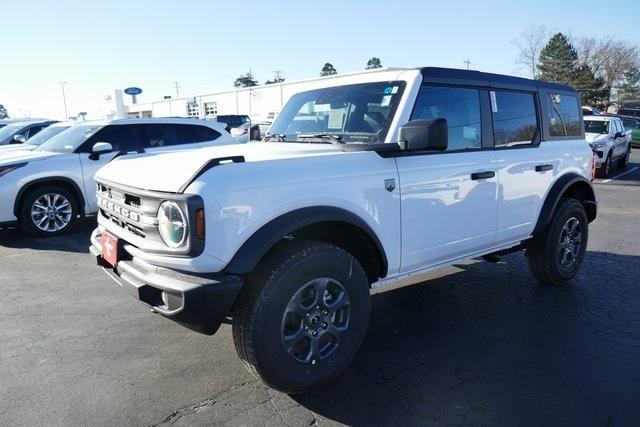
{"x":198,"y":302}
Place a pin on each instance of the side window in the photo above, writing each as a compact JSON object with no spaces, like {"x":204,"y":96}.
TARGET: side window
{"x":161,"y":135}
{"x":461,"y":108}
{"x":514,"y":118}
{"x":122,"y":137}
{"x":191,"y":134}
{"x":564,"y":115}
{"x":32,"y":131}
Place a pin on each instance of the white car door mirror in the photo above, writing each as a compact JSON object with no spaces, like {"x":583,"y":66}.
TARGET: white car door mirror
{"x":100,"y":148}
{"x":19,"y":139}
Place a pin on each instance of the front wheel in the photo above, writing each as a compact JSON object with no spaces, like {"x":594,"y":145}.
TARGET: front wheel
{"x":624,"y":161}
{"x":302,"y":315}
{"x":48,"y":211}
{"x":556,"y":254}
{"x":605,"y":171}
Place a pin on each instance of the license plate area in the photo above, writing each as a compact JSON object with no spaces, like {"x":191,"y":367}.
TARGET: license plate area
{"x":109,"y":250}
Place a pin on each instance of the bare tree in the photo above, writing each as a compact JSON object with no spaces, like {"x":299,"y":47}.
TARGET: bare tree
{"x":608,"y":58}
{"x":529,"y":44}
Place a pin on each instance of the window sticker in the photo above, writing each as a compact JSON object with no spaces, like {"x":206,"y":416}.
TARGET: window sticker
{"x":388,"y":90}
{"x":386,"y":100}
{"x":553,"y":121}
{"x":469,"y":132}
{"x":394,"y":90}
{"x":336,"y":117}
{"x":494,"y":103}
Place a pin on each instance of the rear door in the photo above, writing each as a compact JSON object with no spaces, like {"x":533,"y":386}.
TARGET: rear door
{"x":449,"y":199}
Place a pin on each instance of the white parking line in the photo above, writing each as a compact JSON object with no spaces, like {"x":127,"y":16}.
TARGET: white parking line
{"x":619,"y":175}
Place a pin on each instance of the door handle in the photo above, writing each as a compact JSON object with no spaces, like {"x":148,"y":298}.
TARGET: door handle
{"x":482,"y":175}
{"x":542,"y":168}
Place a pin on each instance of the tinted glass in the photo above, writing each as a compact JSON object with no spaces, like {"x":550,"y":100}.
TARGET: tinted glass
{"x":233,"y":121}
{"x":69,"y":140}
{"x":161,"y":135}
{"x":626,"y":112}
{"x":356,"y":113}
{"x":191,"y":134}
{"x":596,"y":126}
{"x":46,"y":134}
{"x":123,"y":138}
{"x":34,"y":130}
{"x":461,"y":108}
{"x":514,"y":118}
{"x":564,"y":115}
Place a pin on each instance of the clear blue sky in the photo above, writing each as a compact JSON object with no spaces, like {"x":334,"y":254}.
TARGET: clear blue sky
{"x":205,"y":45}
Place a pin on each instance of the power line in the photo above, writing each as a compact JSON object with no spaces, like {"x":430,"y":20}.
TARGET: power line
{"x":176,"y":85}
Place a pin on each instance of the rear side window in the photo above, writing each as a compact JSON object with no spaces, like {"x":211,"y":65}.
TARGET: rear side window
{"x":514,"y":118}
{"x":192,"y":134}
{"x":461,"y":108}
{"x":626,"y":112}
{"x":564,"y":115}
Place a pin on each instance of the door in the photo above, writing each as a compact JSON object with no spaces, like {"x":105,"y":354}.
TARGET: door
{"x":123,"y":138}
{"x":621,"y":140}
{"x":448,"y":199}
{"x":526,"y":166}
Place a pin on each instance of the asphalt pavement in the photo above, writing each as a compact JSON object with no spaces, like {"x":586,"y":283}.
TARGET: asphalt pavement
{"x":477,"y":344}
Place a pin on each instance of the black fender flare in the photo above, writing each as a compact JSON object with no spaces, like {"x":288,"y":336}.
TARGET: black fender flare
{"x":50,"y":180}
{"x":252,"y":250}
{"x":558,"y":190}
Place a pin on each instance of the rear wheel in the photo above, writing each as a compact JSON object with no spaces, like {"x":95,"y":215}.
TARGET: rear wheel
{"x":624,"y":161}
{"x":48,"y":211}
{"x":605,"y":170}
{"x":302,"y":315}
{"x":556,"y":254}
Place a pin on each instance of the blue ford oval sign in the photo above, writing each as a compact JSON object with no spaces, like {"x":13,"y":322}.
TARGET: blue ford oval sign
{"x":133,"y":91}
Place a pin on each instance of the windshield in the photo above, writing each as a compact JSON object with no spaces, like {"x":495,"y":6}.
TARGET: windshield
{"x":354,"y":113}
{"x":70,"y":139}
{"x":45,"y":134}
{"x":9,"y":130}
{"x":596,"y":126}
{"x":233,"y":121}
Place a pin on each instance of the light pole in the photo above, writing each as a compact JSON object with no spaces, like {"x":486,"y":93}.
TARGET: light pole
{"x":64,"y":100}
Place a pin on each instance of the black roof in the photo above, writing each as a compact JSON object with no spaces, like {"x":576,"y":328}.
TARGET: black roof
{"x":478,"y":78}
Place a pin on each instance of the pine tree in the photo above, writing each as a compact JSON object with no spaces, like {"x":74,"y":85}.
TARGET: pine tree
{"x":246,"y":80}
{"x":629,"y":90}
{"x":328,"y":70}
{"x":558,"y":60}
{"x":593,"y":90}
{"x":374,"y":62}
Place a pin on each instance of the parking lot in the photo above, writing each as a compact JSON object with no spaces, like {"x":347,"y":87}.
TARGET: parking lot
{"x":478,"y":344}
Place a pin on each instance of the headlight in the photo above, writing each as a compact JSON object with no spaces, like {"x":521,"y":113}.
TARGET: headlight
{"x":172,"y":224}
{"x":8,"y":168}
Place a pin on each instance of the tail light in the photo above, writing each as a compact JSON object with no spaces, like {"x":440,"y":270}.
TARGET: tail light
{"x":199,"y":226}
{"x":593,"y":167}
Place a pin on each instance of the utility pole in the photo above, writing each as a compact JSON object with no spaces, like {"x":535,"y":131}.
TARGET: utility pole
{"x":64,"y":101}
{"x":176,"y":85}
{"x":468,"y":62}
{"x":278,"y":75}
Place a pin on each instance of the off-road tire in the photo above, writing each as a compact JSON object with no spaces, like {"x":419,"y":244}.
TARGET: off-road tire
{"x":24,"y":211}
{"x":543,"y":250}
{"x":258,"y":314}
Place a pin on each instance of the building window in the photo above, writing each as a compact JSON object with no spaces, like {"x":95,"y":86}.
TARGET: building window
{"x":193,"y":110}
{"x":210,"y":108}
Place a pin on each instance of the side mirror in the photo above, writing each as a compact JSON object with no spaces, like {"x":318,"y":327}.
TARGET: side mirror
{"x":100,"y":148}
{"x":619,"y":135}
{"x":19,"y":139}
{"x":424,"y":134}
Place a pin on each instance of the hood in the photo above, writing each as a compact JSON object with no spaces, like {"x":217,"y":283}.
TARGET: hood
{"x":595,"y":137}
{"x":168,"y":172}
{"x":8,"y":157}
{"x":16,"y":147}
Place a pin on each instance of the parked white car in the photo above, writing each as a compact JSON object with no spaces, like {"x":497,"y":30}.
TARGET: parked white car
{"x":45,"y":190}
{"x":609,"y":141}
{"x":367,"y":181}
{"x":38,"y":139}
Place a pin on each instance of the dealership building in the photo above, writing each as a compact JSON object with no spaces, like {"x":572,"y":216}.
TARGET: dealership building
{"x":261,"y":103}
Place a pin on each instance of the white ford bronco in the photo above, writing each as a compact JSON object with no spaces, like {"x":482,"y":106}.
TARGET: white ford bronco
{"x":363,"y":181}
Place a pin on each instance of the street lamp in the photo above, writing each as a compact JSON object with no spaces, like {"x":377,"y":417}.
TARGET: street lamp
{"x":64,"y":101}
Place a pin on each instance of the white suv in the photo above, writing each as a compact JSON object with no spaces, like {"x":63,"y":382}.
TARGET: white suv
{"x":46,"y":189}
{"x":609,"y":141}
{"x":364,"y":181}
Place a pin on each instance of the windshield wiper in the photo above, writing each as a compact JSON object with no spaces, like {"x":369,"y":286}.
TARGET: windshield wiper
{"x":279,"y":137}
{"x":334,"y":139}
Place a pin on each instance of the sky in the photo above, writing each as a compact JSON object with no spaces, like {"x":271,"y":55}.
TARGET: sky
{"x":97,"y":47}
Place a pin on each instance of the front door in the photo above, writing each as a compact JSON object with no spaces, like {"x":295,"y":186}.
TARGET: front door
{"x":448,"y":199}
